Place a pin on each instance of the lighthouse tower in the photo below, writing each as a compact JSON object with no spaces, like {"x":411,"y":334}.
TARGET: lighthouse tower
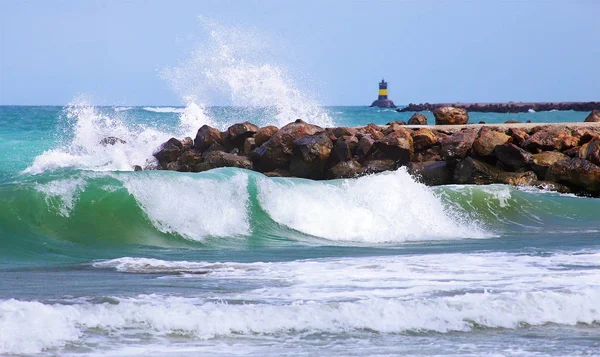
{"x":383,"y":101}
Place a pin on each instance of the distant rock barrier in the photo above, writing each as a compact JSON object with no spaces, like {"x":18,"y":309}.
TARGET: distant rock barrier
{"x":510,"y":107}
{"x":560,"y":157}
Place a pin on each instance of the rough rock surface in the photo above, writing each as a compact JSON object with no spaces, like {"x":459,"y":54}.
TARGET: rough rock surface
{"x":450,"y":116}
{"x":417,"y":119}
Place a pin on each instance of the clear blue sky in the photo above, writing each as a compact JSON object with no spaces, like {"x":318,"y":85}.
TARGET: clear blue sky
{"x":435,"y":51}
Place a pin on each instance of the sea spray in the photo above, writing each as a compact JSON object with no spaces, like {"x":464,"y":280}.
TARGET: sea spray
{"x":235,"y":64}
{"x":82,"y":143}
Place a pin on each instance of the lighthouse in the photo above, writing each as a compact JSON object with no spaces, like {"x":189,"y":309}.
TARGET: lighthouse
{"x":383,"y":101}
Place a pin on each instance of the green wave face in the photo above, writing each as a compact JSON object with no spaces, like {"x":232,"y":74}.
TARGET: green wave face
{"x":86,"y":215}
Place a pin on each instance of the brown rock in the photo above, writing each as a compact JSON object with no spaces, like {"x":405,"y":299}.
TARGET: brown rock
{"x":550,"y":138}
{"x":169,"y":151}
{"x":188,"y":143}
{"x":376,"y":166}
{"x":393,"y":127}
{"x":512,"y":157}
{"x":374,"y":131}
{"x":577,"y":172}
{"x":263,"y":134}
{"x":518,"y":136}
{"x":472,"y":171}
{"x":365,"y":146}
{"x":542,"y":161}
{"x":277,"y":151}
{"x":585,"y":135}
{"x":431,"y":173}
{"x":594,"y":117}
{"x":206,"y":137}
{"x":345,"y":169}
{"x":249,"y":145}
{"x":278,"y":173}
{"x":344,"y":148}
{"x":397,"y":145}
{"x":216,"y":159}
{"x":417,"y":119}
{"x":338,"y":132}
{"x":458,"y":145}
{"x":188,"y":161}
{"x":591,"y":152}
{"x":434,"y":153}
{"x":237,"y":133}
{"x":423,"y":139}
{"x":487,"y":141}
{"x":451,"y":116}
{"x":311,"y":155}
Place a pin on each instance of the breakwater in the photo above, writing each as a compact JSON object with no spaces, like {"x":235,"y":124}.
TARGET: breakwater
{"x":565,"y":158}
{"x":510,"y":107}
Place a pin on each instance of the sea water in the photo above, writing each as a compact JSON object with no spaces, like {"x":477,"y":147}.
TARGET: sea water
{"x":98,"y":260}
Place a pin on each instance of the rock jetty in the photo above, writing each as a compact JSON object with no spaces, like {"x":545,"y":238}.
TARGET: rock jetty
{"x":561,"y":157}
{"x":510,"y":107}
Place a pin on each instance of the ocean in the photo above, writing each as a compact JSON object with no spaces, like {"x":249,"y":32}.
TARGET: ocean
{"x":99,"y":260}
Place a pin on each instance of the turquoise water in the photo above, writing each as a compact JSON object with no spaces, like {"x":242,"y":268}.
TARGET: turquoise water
{"x":98,"y":260}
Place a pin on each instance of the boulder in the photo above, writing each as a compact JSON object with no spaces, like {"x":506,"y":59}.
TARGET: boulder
{"x":591,"y":151}
{"x":577,"y":172}
{"x":263,"y":134}
{"x":237,"y":133}
{"x":377,"y":165}
{"x":472,"y":171}
{"x":393,"y":126}
{"x":276,"y":152}
{"x":458,"y":145}
{"x":512,"y":157}
{"x":417,"y":119}
{"x":169,"y":151}
{"x":249,"y":145}
{"x":112,"y":140}
{"x":206,"y":137}
{"x":585,"y":135}
{"x":137,"y":168}
{"x":216,"y":159}
{"x":542,"y":161}
{"x":434,"y":153}
{"x":344,"y":148}
{"x":546,"y":139}
{"x":338,"y":132}
{"x":398,"y":146}
{"x":487,"y":141}
{"x":594,"y":117}
{"x":311,"y":156}
{"x":450,"y":116}
{"x":188,"y":143}
{"x":188,"y":161}
{"x":431,"y":173}
{"x":423,"y":139}
{"x":518,"y":136}
{"x":372,"y":130}
{"x":365,"y":146}
{"x":344,"y":169}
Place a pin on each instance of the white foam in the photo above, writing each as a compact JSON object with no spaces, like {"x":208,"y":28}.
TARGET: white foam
{"x":164,"y":109}
{"x":83,"y":148}
{"x":161,"y":316}
{"x":62,"y":194}
{"x":388,"y":207}
{"x":194,"y":207}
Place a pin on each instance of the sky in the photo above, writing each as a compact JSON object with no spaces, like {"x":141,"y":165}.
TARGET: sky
{"x":335,"y":51}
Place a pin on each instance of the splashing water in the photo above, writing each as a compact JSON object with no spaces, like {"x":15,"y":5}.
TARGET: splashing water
{"x":87,"y":127}
{"x":235,"y":63}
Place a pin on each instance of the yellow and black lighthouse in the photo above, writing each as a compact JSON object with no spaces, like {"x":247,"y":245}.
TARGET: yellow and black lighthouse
{"x":383,"y":101}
